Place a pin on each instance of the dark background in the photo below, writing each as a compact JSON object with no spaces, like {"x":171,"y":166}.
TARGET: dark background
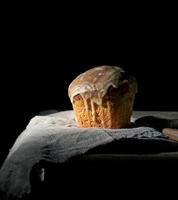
{"x":43,"y":54}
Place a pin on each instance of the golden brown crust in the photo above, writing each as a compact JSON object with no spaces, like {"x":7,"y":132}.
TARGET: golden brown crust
{"x":114,"y":112}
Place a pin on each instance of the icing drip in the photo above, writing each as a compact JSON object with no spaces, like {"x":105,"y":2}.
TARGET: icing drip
{"x":93,"y":110}
{"x":109,"y":109}
{"x":86,"y":105}
{"x":102,"y":121}
{"x":85,"y":102}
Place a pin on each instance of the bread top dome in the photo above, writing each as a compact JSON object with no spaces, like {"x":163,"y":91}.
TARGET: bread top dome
{"x":95,"y":82}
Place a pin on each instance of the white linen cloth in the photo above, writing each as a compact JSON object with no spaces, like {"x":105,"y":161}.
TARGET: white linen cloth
{"x":55,"y":138}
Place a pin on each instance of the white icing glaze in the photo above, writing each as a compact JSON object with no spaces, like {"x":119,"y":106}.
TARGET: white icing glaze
{"x":95,"y":82}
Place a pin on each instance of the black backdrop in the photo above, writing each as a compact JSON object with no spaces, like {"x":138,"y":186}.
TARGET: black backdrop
{"x":42,"y":58}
